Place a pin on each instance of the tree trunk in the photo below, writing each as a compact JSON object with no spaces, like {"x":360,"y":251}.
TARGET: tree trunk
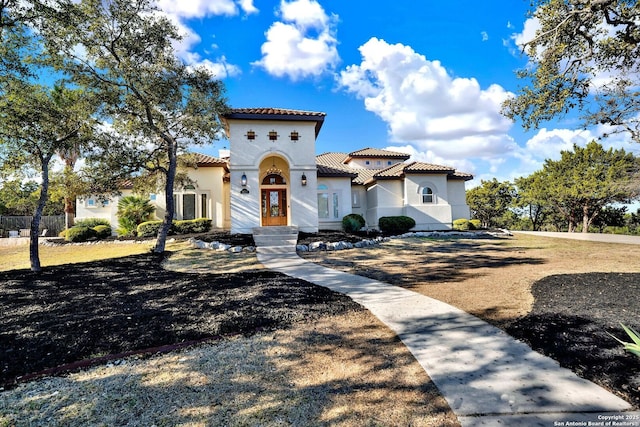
{"x":172,"y":148}
{"x":69,"y":213}
{"x":586,"y":220}
{"x":34,"y":255}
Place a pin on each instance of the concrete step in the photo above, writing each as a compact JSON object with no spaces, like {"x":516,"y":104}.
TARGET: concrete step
{"x":275,"y":239}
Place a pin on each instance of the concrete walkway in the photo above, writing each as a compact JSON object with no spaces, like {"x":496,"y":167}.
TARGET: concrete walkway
{"x":487,"y":377}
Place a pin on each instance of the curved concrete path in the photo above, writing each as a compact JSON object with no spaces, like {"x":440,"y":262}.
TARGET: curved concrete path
{"x":487,"y":377}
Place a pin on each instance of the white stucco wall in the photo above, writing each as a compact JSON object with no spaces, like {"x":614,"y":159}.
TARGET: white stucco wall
{"x":384,"y":199}
{"x":458,"y":199}
{"x":245,"y":158}
{"x":108,"y":210}
{"x":341,"y":187}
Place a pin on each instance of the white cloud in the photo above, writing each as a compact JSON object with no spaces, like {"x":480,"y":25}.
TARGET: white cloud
{"x":184,"y":48}
{"x":202,"y":8}
{"x":303,"y":44}
{"x":485,"y":36}
{"x":451,"y":118}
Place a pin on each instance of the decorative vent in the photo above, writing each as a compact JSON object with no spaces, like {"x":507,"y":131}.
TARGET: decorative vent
{"x":251,"y":135}
{"x":294,"y":136}
{"x":273,"y":135}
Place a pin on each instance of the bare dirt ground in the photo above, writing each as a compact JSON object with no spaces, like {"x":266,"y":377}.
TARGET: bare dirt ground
{"x":563,"y":297}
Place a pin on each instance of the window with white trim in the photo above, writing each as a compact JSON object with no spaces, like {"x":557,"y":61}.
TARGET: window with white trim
{"x":427,"y":195}
{"x":328,"y":203}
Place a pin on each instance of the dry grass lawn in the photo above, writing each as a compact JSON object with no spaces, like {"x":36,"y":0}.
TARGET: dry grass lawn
{"x":489,"y":278}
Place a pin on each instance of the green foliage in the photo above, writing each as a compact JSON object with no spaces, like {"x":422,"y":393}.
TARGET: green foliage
{"x":352,"y":223}
{"x":148,"y":228}
{"x":633,"y":347}
{"x":396,"y":224}
{"x":157,"y":102}
{"x":133,"y":210}
{"x":188,"y":226}
{"x":102,"y":231}
{"x":463,"y":224}
{"x":490,"y":201}
{"x":585,"y":180}
{"x":476,"y":224}
{"x":572,"y":47}
{"x":92,"y":222}
{"x":80,"y":234}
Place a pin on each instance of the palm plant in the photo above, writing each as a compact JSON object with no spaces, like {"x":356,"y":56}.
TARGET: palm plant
{"x":133,"y":210}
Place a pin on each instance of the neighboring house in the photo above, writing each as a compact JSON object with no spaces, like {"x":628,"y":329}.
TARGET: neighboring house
{"x":271,"y":176}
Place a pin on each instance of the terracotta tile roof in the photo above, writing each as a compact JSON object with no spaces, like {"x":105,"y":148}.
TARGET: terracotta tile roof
{"x":206,"y":160}
{"x":328,"y":171}
{"x":332,"y":159}
{"x":461,"y":175}
{"x":365,"y":176}
{"x":267,"y":111}
{"x":420,"y":167}
{"x":377,"y":153}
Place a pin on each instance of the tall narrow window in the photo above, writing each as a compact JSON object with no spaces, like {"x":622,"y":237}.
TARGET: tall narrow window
{"x":203,"y":205}
{"x":188,"y":206}
{"x":427,"y":195}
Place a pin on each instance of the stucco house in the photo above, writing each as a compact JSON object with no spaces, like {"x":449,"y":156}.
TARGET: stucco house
{"x":270,"y":176}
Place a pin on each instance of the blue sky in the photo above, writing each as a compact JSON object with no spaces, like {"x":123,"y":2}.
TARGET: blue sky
{"x":426,"y":78}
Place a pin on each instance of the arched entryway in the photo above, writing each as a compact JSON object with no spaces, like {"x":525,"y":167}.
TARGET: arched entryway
{"x":274,"y":192}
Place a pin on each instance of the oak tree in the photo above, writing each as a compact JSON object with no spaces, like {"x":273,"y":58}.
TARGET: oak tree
{"x":584,"y":56}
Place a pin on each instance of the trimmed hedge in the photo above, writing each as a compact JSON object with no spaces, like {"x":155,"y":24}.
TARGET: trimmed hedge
{"x":352,"y":223}
{"x":79,"y":234}
{"x":102,"y":231}
{"x":198,"y":225}
{"x":92,"y":222}
{"x":463,"y":224}
{"x":396,"y":224}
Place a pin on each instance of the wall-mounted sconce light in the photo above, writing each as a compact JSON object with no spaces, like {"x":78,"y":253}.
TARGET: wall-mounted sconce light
{"x":243,"y":180}
{"x":303,"y":181}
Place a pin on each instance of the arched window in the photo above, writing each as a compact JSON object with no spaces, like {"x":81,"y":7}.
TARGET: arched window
{"x":427,"y":195}
{"x":273,"y":179}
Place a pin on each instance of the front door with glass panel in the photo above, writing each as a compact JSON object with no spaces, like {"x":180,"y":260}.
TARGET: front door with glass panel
{"x":274,"y":207}
{"x":274,"y":200}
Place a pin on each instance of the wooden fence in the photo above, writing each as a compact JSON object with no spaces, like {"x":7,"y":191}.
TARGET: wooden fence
{"x":54,"y":224}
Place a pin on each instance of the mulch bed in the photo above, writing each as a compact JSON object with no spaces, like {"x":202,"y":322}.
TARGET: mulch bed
{"x":76,"y":312}
{"x":571,"y":319}
{"x":83,"y":311}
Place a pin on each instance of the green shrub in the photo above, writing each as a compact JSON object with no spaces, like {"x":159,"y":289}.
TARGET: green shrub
{"x":462,"y":224}
{"x":133,"y":210}
{"x":148,"y":228}
{"x":352,"y":223}
{"x":102,"y":231}
{"x":63,"y":234}
{"x":79,"y":234}
{"x":396,"y":224}
{"x":187,"y":226}
{"x":477,"y":224}
{"x":92,"y":222}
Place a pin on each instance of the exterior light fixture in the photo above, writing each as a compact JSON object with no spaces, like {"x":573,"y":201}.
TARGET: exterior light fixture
{"x":243,"y":180}
{"x":303,"y":181}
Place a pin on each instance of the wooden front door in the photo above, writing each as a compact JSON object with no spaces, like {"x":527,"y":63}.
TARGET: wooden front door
{"x":274,"y":207}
